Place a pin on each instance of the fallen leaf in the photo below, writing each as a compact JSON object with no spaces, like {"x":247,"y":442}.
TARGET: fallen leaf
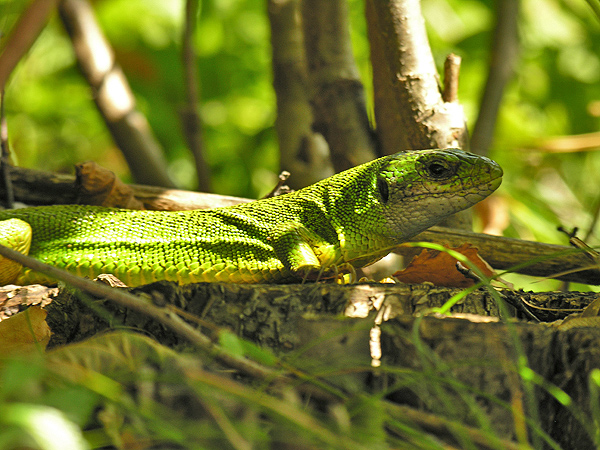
{"x":440,"y":269}
{"x":24,"y":331}
{"x":493,"y":214}
{"x":592,"y":310}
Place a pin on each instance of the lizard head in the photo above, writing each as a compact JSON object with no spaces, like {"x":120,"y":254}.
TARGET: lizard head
{"x":389,"y":200}
{"x":415,"y":190}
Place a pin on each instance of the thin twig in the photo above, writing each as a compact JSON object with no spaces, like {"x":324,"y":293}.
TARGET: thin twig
{"x":504,"y":54}
{"x":451,"y":76}
{"x":280,"y":188}
{"x":9,"y":198}
{"x":23,"y":35}
{"x":190,"y":119}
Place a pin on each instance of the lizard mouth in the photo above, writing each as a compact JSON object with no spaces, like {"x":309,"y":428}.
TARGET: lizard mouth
{"x":496,"y":174}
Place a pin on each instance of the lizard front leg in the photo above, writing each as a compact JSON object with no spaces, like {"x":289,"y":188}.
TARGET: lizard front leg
{"x":303,"y":252}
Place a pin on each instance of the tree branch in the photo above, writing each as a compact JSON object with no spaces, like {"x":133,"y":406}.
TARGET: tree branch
{"x":504,"y":55}
{"x":113,"y":95}
{"x":190,"y":119}
{"x":23,"y":35}
{"x":337,"y":94}
{"x":409,"y":108}
{"x":303,"y":152}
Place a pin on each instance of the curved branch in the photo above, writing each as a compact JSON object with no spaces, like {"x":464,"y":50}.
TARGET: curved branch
{"x":113,"y":96}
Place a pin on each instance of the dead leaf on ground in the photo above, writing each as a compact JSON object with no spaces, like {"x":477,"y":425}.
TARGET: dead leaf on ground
{"x":592,"y":310}
{"x":440,"y":269}
{"x":493,"y":214}
{"x":24,"y":331}
{"x":14,"y":299}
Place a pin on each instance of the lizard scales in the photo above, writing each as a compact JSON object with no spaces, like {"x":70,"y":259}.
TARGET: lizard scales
{"x":354,"y":217}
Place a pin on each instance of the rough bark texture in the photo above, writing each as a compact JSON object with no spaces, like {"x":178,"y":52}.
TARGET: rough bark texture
{"x":409,"y":108}
{"x":337,"y":94}
{"x":483,"y":357}
{"x":473,"y":351}
{"x":268,"y":314}
{"x":476,"y":351}
{"x":265,"y":314}
{"x":303,"y":152}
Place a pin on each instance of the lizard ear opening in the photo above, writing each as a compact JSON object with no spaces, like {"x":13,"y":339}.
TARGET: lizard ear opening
{"x":384,"y":190}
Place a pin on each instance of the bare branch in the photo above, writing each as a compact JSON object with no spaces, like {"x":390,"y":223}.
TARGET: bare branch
{"x":409,"y":108}
{"x":23,"y":35}
{"x":113,"y":95}
{"x":451,"y":76}
{"x":337,"y":94}
{"x":35,"y":187}
{"x":190,"y":119}
{"x":504,"y":55}
{"x":303,"y":152}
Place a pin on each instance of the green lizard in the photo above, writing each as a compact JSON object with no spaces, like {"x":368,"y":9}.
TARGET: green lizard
{"x":354,"y":217}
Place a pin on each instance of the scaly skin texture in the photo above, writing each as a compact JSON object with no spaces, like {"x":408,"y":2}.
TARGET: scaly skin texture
{"x":355,"y":217}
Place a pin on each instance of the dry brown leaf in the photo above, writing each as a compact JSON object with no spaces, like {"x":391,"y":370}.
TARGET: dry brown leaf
{"x":23,"y":332}
{"x":439,"y":268}
{"x":100,"y":186}
{"x":592,"y":310}
{"x":16,"y":298}
{"x":493,"y":214}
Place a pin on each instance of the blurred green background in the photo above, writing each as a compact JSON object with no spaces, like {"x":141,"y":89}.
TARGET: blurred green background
{"x":556,"y":91}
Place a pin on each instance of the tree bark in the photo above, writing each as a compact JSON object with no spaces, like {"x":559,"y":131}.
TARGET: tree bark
{"x":337,"y":94}
{"x":113,"y":96}
{"x":467,"y":360}
{"x":475,"y":365}
{"x":409,"y":109}
{"x":303,"y":152}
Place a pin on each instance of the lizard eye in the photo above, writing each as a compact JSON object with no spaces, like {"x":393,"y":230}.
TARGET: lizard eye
{"x":439,"y":170}
{"x":384,"y":190}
